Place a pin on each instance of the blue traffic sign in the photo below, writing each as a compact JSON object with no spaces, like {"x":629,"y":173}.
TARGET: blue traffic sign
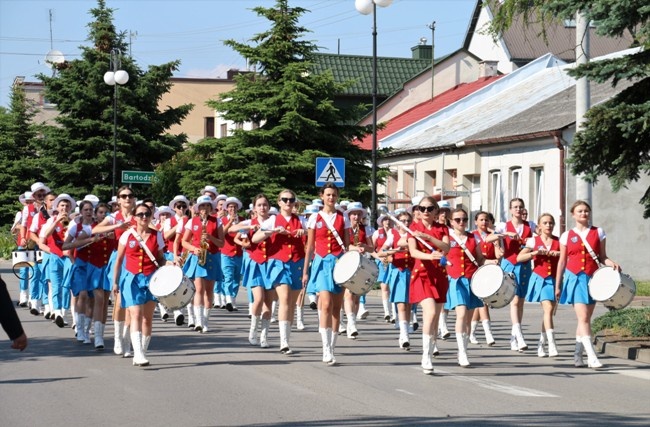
{"x":330,"y":169}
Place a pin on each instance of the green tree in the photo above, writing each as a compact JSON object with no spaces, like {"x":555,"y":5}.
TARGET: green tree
{"x":78,"y":154}
{"x":18,"y":157}
{"x":296,"y":120}
{"x":615,"y":139}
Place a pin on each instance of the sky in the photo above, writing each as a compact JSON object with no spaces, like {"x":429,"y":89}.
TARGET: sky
{"x":193,"y":31}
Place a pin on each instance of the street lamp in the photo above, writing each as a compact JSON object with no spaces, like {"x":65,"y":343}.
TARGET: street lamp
{"x":115,"y":77}
{"x":366,"y":7}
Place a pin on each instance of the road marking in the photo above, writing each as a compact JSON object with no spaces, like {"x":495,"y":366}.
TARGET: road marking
{"x":642,"y":374}
{"x":497,"y":385}
{"x":405,"y":392}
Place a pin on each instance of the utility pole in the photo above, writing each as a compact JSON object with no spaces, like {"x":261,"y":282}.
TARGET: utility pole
{"x":432,"y":27}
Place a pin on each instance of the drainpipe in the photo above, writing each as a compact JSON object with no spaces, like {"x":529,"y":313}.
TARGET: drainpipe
{"x":559,"y":143}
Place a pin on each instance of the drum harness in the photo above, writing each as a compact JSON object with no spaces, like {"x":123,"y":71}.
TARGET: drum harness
{"x":333,"y":231}
{"x":464,"y":248}
{"x":591,"y":251}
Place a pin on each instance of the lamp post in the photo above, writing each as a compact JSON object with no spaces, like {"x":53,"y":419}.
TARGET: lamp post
{"x":366,"y":7}
{"x":115,"y":77}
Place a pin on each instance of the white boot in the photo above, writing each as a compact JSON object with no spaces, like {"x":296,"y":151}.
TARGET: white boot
{"x":285,"y":331}
{"x":352,"y":326}
{"x":519,"y":336}
{"x":552,"y":348}
{"x":487,"y":328}
{"x":385,"y":303}
{"x":435,"y":351}
{"x":126,"y":341}
{"x":592,"y":358}
{"x":578,"y":361}
{"x":191,"y":323}
{"x":163,"y":312}
{"x":427,"y":349}
{"x":472,"y":333}
{"x":462,"y":349}
{"x":300,"y":321}
{"x":264,"y":343}
{"x":79,"y":320}
{"x":24,"y":297}
{"x":86,"y":328}
{"x":540,"y":345}
{"x":274,"y":307}
{"x":332,"y":349}
{"x":362,"y":313}
{"x":146,"y":339}
{"x":198,"y":318}
{"x":204,"y":320}
{"x":444,"y":331}
{"x":179,"y":318}
{"x":252,"y":335}
{"x":99,"y":335}
{"x":118,"y":347}
{"x":138,"y":353}
{"x":313,"y":304}
{"x":404,"y":335}
{"x":326,"y":338}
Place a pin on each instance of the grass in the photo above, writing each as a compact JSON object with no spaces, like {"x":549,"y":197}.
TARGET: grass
{"x":643,"y":289}
{"x":629,"y":322}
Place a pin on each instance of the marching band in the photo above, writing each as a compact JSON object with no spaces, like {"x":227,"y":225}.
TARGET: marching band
{"x":88,"y":255}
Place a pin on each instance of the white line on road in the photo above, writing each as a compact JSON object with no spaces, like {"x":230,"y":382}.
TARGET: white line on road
{"x":405,"y":392}
{"x":498,"y":386}
{"x":642,"y":374}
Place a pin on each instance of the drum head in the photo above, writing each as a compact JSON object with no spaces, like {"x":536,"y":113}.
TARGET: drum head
{"x":346,"y":266}
{"x":487,"y":280}
{"x":165,"y":280}
{"x":604,"y":283}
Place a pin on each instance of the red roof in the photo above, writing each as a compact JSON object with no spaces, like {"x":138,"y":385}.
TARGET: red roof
{"x":426,"y":109}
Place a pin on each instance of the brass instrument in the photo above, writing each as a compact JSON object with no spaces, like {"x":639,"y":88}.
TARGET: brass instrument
{"x":65,"y":220}
{"x":204,"y":245}
{"x":183,"y":258}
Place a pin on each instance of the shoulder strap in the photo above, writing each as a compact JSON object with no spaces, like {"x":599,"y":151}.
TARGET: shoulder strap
{"x":590,"y":249}
{"x":144,"y":246}
{"x":464,"y":248}
{"x":333,"y":230}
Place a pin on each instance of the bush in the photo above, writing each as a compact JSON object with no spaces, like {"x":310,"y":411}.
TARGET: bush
{"x":633,"y":322}
{"x":7,"y":244}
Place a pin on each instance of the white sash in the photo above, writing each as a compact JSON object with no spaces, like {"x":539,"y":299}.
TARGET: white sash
{"x":333,"y":230}
{"x":144,"y":246}
{"x":464,"y":248}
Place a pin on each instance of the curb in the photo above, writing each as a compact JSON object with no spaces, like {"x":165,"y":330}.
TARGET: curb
{"x":636,"y":352}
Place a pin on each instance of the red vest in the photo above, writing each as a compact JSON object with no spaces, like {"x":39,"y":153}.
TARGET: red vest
{"x":487,"y":249}
{"x":429,"y":267}
{"x":461,"y":265}
{"x":326,"y":243}
{"x":211,"y":228}
{"x":257,"y":251}
{"x":512,"y":247}
{"x":137,"y":260}
{"x":169,"y":243}
{"x":119,"y":218}
{"x":82,"y":253}
{"x":230,"y":248}
{"x":545,"y":265}
{"x":55,"y":240}
{"x":403,"y":259}
{"x":286,"y":247}
{"x":578,"y":258}
{"x":361,"y":235}
{"x":100,"y":251}
{"x":382,"y":236}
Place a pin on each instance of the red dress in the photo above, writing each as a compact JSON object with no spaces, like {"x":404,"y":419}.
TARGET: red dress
{"x":428,"y":278}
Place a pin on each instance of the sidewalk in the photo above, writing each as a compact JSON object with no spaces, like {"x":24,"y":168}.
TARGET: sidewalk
{"x":627,"y":348}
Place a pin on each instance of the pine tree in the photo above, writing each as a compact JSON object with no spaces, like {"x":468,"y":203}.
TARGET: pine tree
{"x":18,"y":158}
{"x":615,"y":139}
{"x":77,"y":156}
{"x":296,"y":117}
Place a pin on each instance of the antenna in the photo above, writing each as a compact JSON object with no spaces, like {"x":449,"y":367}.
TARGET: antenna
{"x":132,"y":35}
{"x":53,"y":57}
{"x":51,"y":39}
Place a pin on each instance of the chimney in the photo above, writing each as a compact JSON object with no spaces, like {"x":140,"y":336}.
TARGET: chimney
{"x":487,"y":69}
{"x":422,"y":51}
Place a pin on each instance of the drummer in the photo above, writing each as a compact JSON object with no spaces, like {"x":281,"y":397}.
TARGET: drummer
{"x":141,"y":249}
{"x":327,"y":237}
{"x":576,"y":266}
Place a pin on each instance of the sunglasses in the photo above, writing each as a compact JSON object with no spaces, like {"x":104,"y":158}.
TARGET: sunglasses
{"x":181,"y":206}
{"x":426,"y":208}
{"x":126,"y":196}
{"x":143,"y":214}
{"x":288,"y":199}
{"x":459,"y":220}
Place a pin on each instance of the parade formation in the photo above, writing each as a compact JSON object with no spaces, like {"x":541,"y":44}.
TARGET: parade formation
{"x":185,"y":258}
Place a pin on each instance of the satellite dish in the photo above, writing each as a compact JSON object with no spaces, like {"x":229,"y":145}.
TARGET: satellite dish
{"x":54,"y":57}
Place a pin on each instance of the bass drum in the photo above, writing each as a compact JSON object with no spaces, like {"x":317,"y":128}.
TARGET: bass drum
{"x":171,"y":287}
{"x":493,"y":285}
{"x":355,"y":272}
{"x":613,"y":288}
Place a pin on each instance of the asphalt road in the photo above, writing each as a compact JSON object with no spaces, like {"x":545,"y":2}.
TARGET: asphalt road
{"x":219,"y":379}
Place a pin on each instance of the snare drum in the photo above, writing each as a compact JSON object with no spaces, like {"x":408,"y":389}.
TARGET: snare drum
{"x":39,"y":256}
{"x":20,"y":259}
{"x":355,"y":272}
{"x":493,"y":285}
{"x":614,"y":289}
{"x":171,"y":287}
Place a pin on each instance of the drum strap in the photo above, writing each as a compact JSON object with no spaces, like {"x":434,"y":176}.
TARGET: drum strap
{"x":464,"y":248}
{"x":144,"y":246}
{"x":334,"y":232}
{"x":591,"y":251}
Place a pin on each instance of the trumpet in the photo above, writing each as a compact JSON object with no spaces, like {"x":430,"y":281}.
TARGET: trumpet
{"x":65,"y":220}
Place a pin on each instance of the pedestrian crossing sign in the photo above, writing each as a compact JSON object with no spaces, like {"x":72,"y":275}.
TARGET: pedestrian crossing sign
{"x":330,"y":169}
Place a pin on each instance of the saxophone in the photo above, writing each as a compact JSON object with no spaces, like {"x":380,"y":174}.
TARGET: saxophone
{"x":203,"y":253}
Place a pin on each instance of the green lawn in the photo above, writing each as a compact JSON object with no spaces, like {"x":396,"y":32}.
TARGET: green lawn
{"x":643,"y":289}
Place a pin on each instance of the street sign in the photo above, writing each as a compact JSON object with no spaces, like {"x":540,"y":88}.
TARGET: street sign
{"x":330,"y":169}
{"x":450,"y":193}
{"x":138,"y":177}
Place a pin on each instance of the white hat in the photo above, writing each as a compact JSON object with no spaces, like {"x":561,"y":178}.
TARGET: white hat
{"x":382,"y":218}
{"x":356,"y":207}
{"x":273,"y":210}
{"x":92,"y":199}
{"x":202,"y":200}
{"x":39,"y":186}
{"x":234,"y":200}
{"x":63,"y":196}
{"x":177,"y":199}
{"x":444,"y":204}
{"x":210,"y":189}
{"x":311,"y":209}
{"x":221,"y":197}
{"x":163,"y":210}
{"x":344,"y":202}
{"x":317,"y":202}
{"x":416,"y":200}
{"x":250,"y":207}
{"x":399,"y":211}
{"x":27,"y":195}
{"x":113,"y":201}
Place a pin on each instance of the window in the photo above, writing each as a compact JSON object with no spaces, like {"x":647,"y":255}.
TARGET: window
{"x":391,"y":185}
{"x":515,"y":183}
{"x":536,"y":208}
{"x":209,"y":127}
{"x":451,"y":182}
{"x":239,"y":126}
{"x":407,"y":185}
{"x":495,"y":200}
{"x":429,"y":182}
{"x":223,"y":130}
